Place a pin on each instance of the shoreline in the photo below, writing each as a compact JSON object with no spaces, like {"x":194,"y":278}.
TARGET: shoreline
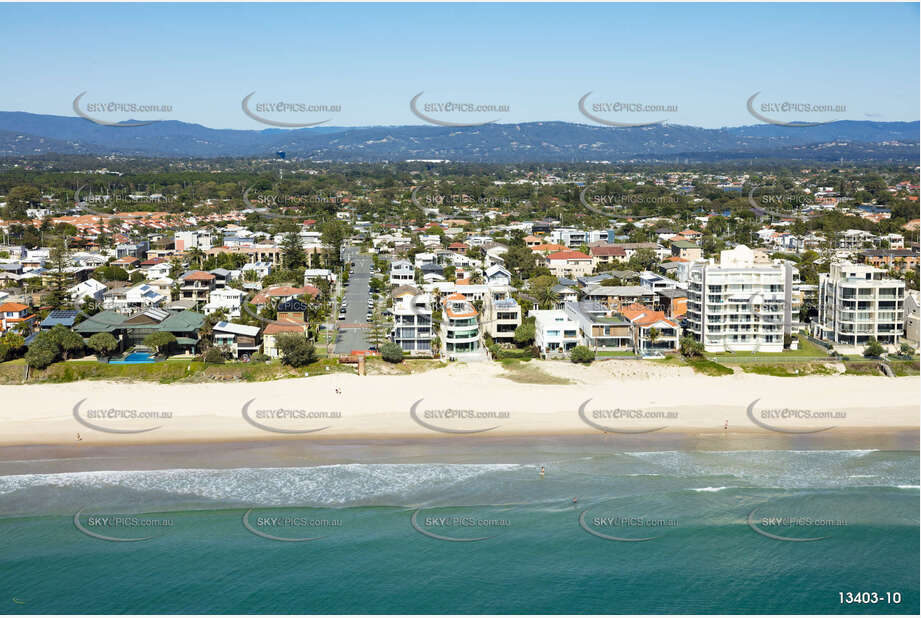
{"x":57,"y":459}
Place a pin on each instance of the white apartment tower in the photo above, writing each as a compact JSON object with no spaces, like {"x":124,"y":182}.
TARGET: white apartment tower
{"x":738,"y":305}
{"x":858,"y":303}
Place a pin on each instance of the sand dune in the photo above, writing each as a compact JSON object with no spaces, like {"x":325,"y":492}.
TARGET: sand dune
{"x":617,"y":397}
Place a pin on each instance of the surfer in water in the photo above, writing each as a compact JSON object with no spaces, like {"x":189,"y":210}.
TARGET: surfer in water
{"x":542,"y":472}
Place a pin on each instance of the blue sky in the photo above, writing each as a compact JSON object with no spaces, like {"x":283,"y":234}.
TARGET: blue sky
{"x":538,"y":59}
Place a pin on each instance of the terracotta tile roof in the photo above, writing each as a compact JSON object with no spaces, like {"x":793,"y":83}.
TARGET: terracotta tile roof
{"x":602,"y":251}
{"x":548,"y":247}
{"x":642,"y":316}
{"x":198,"y":275}
{"x":274,"y":328}
{"x":13,"y":307}
{"x":568,"y":255}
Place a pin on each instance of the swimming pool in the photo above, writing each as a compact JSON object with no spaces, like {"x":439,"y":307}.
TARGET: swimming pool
{"x":134,"y":358}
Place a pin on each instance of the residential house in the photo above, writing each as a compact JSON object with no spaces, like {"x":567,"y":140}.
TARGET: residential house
{"x":13,"y":315}
{"x":402,"y":273}
{"x":555,"y":332}
{"x":686,"y":250}
{"x":133,"y":298}
{"x":571,"y":264}
{"x":291,"y":311}
{"x":653,"y":332}
{"x":673,"y":302}
{"x":59,"y":317}
{"x":228,"y":299}
{"x":412,"y":321}
{"x":498,"y":276}
{"x":196,"y":286}
{"x":502,"y":315}
{"x":601,"y":329}
{"x":460,"y":328}
{"x":607,"y":254}
{"x":273,"y":330}
{"x":613,"y":296}
{"x":891,"y":259}
{"x":240,"y":340}
{"x":89,"y":289}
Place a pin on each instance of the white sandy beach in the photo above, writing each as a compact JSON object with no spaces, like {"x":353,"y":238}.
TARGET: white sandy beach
{"x":620,"y":394}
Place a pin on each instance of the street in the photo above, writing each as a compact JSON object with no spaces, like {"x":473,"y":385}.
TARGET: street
{"x":356,"y":295}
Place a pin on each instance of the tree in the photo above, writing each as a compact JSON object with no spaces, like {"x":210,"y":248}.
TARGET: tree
{"x":292,"y":252}
{"x":582,"y":354}
{"x":160,"y":341}
{"x":296,"y":350}
{"x":542,"y":288}
{"x":643,"y":259}
{"x":377,"y":333}
{"x":333,"y":234}
{"x":21,"y":198}
{"x":67,"y":340}
{"x":525,"y":333}
{"x":103,"y":344}
{"x":10,"y":345}
{"x":60,"y":261}
{"x":653,"y":335}
{"x":874,"y":349}
{"x":392,"y":353}
{"x":42,"y":352}
{"x":195,"y":256}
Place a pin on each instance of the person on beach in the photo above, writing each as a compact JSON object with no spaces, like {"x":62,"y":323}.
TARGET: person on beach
{"x":79,"y":439}
{"x":726,"y":425}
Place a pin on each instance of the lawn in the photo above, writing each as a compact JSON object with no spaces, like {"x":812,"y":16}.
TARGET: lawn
{"x":807,"y":351}
{"x":623,"y":353}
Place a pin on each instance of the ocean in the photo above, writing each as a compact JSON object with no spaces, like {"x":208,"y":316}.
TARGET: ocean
{"x":601,"y":531}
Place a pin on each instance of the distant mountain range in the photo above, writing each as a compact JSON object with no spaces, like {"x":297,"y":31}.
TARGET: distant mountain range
{"x":23,"y":134}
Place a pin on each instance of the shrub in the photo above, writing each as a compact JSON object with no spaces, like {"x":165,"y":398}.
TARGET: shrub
{"x":213,"y":355}
{"x":874,"y":349}
{"x":906,"y":350}
{"x":582,"y":354}
{"x":392,"y":353}
{"x":296,"y":351}
{"x":691,"y":348}
{"x":259,"y":357}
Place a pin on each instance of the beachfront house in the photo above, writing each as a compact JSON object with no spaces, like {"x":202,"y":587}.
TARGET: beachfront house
{"x":239,"y":340}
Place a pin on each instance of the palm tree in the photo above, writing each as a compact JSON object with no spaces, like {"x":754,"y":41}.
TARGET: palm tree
{"x":547,"y":297}
{"x":195,"y":255}
{"x":653,"y":335}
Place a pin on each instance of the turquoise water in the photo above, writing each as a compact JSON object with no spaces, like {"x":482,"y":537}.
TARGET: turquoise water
{"x":695,"y":507}
{"x":134,"y":358}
